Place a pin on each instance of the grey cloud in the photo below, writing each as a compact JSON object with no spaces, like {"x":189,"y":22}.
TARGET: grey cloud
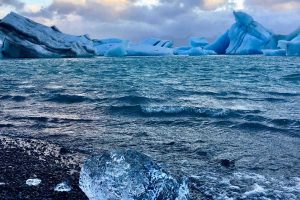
{"x":171,"y":19}
{"x":15,"y":3}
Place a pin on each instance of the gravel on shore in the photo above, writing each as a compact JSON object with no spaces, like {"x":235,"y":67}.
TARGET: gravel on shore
{"x":23,"y":159}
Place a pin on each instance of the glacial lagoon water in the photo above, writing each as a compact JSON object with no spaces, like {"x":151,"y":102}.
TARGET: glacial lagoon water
{"x":187,"y":113}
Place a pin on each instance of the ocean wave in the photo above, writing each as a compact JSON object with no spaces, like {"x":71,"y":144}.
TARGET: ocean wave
{"x":136,"y":99}
{"x":292,"y":77}
{"x":68,"y":99}
{"x":16,"y":98}
{"x":179,"y":111}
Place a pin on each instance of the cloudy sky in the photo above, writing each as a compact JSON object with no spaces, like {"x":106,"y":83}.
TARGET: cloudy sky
{"x":169,"y":19}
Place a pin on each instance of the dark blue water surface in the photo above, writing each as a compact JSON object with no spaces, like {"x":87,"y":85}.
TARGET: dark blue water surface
{"x":186,"y":113}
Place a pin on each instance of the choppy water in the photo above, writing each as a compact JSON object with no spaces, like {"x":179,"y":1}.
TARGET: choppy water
{"x":186,"y":113}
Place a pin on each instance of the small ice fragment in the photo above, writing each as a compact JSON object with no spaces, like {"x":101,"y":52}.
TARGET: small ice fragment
{"x":257,"y":189}
{"x":63,"y":187}
{"x":33,"y":182}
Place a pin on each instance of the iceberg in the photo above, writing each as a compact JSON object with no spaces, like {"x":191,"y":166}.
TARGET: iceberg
{"x":117,"y":51}
{"x":147,"y":50}
{"x":198,"y":42}
{"x":128,"y":175}
{"x":197,"y":51}
{"x":25,"y":38}
{"x":182,"y":50}
{"x":193,"y":51}
{"x":158,"y":42}
{"x":220,"y":44}
{"x":293,"y":47}
{"x":103,"y":46}
{"x":291,"y":44}
{"x":245,"y":37}
{"x":274,"y":52}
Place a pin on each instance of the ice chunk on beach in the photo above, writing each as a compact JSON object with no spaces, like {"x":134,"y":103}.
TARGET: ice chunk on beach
{"x":147,"y":50}
{"x":63,"y":187}
{"x":128,"y":175}
{"x":198,"y":42}
{"x":25,"y":38}
{"x":274,"y":52}
{"x":33,"y":182}
{"x":157,"y":42}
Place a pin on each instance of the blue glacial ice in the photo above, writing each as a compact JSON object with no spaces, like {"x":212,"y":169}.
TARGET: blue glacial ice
{"x":104,"y":45}
{"x":247,"y":36}
{"x":198,"y":42}
{"x":158,"y":42}
{"x":182,"y":50}
{"x":151,"y":47}
{"x":274,"y":52}
{"x":220,"y":44}
{"x":116,"y":51}
{"x":26,"y":38}
{"x":128,"y":175}
{"x":148,"y":50}
{"x":293,"y":47}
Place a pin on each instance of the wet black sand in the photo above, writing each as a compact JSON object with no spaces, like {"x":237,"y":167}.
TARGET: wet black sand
{"x":21,"y":159}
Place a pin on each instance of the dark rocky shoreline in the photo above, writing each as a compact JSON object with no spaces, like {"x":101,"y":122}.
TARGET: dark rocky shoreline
{"x":22,"y":159}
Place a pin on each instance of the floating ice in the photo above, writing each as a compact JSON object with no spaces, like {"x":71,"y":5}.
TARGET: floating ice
{"x":26,"y":38}
{"x":128,"y":175}
{"x":274,"y":52}
{"x":220,"y":44}
{"x":182,"y":50}
{"x":33,"y":182}
{"x":63,"y":187}
{"x":245,"y":37}
{"x":147,"y":50}
{"x":105,"y":45}
{"x":198,"y":42}
{"x":257,"y":191}
{"x":158,"y":42}
{"x":197,"y":51}
{"x":293,"y":47}
{"x":117,"y":51}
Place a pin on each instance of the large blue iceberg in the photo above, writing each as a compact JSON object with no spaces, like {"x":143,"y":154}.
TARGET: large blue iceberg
{"x":23,"y":38}
{"x":128,"y":175}
{"x":27,"y":39}
{"x":148,"y":50}
{"x":245,"y":37}
{"x":158,"y":42}
{"x":198,"y":42}
{"x":104,"y":45}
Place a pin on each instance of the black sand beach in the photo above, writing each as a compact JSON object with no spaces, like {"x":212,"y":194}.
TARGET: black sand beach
{"x":22,"y":159}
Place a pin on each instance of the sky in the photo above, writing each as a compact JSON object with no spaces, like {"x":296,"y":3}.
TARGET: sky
{"x":176,"y":20}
